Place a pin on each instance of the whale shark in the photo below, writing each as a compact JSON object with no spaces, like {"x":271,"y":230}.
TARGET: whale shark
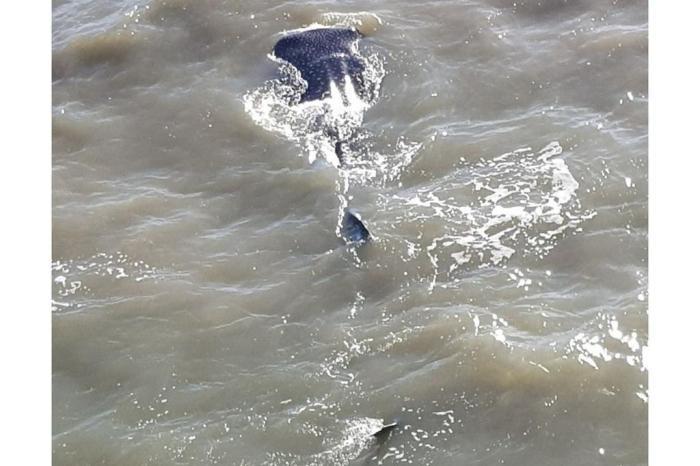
{"x":328,"y":60}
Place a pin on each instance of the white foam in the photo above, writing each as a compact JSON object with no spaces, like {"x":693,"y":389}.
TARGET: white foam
{"x":521,"y":201}
{"x":354,"y":439}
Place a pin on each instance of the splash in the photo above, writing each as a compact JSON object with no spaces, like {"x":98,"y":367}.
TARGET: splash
{"x":354,"y":438}
{"x":484,"y":212}
{"x":342,"y":444}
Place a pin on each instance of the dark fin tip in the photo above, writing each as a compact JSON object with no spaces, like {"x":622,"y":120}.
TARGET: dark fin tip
{"x":386,"y":429}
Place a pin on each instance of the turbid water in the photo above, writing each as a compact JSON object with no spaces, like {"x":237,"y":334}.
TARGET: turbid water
{"x":205,"y":310}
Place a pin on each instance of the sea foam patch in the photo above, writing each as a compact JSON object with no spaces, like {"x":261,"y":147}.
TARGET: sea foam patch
{"x":483,"y":213}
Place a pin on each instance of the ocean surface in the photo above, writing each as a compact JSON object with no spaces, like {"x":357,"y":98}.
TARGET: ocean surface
{"x":205,"y":309}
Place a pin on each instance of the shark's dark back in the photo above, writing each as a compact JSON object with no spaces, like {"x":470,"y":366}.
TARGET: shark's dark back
{"x":321,"y":56}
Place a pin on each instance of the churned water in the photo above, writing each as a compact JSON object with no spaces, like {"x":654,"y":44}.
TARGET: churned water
{"x":205,"y":310}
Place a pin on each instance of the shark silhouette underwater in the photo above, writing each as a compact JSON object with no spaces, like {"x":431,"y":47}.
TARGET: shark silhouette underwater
{"x":328,"y":61}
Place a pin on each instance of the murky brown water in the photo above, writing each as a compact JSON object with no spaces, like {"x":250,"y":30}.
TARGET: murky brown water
{"x":205,"y":310}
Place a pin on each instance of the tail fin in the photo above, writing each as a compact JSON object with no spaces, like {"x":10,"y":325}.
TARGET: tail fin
{"x":352,"y":229}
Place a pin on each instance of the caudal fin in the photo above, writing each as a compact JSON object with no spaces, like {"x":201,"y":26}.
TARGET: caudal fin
{"x":352,"y":229}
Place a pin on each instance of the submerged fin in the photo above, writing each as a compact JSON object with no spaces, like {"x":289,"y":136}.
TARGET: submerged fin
{"x":385,"y":430}
{"x":352,"y":228}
